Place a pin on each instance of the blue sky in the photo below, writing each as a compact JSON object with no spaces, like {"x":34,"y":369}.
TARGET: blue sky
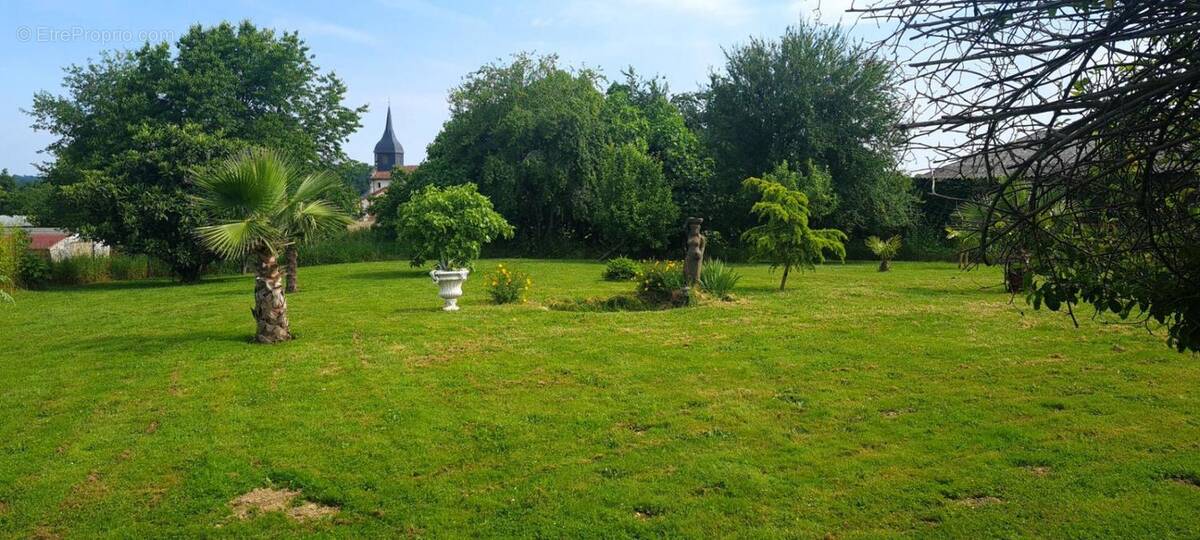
{"x":409,"y":51}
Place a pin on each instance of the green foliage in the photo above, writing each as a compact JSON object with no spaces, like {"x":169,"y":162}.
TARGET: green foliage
{"x":565,"y":161}
{"x":719,"y":279}
{"x":266,"y":204}
{"x":33,"y":272}
{"x":886,"y":250}
{"x":506,"y":286}
{"x":783,"y":236}
{"x":13,"y":244}
{"x":449,"y":225}
{"x":629,"y":201}
{"x":80,"y":270}
{"x":810,"y":97}
{"x":621,"y":269}
{"x":357,"y":175}
{"x":386,"y":207}
{"x":352,"y":246}
{"x":660,"y":282}
{"x":6,"y":287}
{"x":135,"y":125}
{"x":815,"y":182}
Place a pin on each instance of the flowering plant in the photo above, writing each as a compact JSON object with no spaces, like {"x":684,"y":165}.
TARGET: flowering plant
{"x":506,"y":286}
{"x":660,"y":281}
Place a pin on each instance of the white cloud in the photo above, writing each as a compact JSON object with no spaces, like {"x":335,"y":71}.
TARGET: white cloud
{"x":318,"y":28}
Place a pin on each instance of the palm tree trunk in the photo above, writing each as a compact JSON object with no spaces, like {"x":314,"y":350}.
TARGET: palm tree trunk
{"x":292,"y":264}
{"x":270,"y":305}
{"x":783,"y":282}
{"x":885,"y":265}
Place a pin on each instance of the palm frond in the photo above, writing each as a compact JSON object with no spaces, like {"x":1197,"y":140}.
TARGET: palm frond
{"x":254,"y":182}
{"x":237,"y":238}
{"x":314,"y":186}
{"x":315,"y":218}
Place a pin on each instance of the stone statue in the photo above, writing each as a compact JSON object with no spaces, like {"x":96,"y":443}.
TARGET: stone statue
{"x":693,"y":262}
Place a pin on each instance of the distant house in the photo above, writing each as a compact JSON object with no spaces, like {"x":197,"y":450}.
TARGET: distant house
{"x":55,"y":244}
{"x":389,"y":155}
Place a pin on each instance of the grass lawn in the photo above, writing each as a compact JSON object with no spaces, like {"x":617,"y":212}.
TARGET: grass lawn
{"x":919,"y":402}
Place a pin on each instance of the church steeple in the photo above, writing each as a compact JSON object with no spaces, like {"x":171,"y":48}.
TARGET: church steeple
{"x":388,"y":151}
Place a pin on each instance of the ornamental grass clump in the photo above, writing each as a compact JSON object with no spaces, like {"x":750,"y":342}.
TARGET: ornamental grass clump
{"x":719,"y":279}
{"x":507,"y":286}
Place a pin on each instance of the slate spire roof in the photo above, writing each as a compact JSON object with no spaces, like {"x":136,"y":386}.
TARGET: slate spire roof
{"x":388,"y":143}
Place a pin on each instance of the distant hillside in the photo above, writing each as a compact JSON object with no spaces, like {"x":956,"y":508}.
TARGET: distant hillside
{"x":26,"y":179}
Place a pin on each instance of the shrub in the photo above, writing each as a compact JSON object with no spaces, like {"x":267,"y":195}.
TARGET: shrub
{"x":352,"y":246}
{"x":886,"y":250}
{"x":34,"y":271}
{"x":80,"y":270}
{"x":13,"y":244}
{"x":449,"y":225}
{"x":719,"y":279}
{"x":661,"y":282}
{"x":122,"y":267}
{"x":508,"y":286}
{"x":621,"y":269}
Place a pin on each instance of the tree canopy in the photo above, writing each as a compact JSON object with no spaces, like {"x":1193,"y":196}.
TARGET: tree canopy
{"x":815,"y":99}
{"x":135,"y":125}
{"x":565,"y":161}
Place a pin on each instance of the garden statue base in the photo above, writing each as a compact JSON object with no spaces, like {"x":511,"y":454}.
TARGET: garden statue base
{"x":450,"y":286}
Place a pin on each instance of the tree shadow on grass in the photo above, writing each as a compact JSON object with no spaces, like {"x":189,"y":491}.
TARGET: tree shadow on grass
{"x":986,"y":291}
{"x":152,"y":344}
{"x":137,"y":284}
{"x":385,"y":275}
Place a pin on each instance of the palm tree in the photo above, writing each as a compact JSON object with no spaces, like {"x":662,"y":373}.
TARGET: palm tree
{"x":886,"y":250}
{"x":268,"y":205}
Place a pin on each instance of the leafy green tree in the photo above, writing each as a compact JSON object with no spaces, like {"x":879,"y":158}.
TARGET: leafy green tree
{"x":133,"y":126}
{"x":783,"y":236}
{"x":538,"y":139}
{"x":632,"y":205}
{"x":814,"y":97}
{"x":8,"y":189}
{"x":686,"y":165}
{"x":266,"y":204}
{"x":355,"y":174}
{"x":449,"y":225}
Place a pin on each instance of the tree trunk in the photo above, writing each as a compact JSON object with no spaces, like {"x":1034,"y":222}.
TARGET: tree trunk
{"x":783,"y":282}
{"x":292,"y":264}
{"x":885,"y":265}
{"x":189,"y":274}
{"x":270,"y":305}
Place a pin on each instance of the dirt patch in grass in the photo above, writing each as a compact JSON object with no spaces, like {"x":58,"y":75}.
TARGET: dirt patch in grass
{"x":979,"y":501}
{"x":264,"y":500}
{"x":1039,"y":470}
{"x":87,"y":491}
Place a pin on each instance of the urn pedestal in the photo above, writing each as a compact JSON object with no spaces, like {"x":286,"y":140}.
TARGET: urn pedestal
{"x":449,"y":284}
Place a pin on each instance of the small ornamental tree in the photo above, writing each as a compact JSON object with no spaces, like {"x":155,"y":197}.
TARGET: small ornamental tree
{"x":449,"y":225}
{"x":886,"y":250}
{"x":267,"y":206}
{"x":783,"y":237}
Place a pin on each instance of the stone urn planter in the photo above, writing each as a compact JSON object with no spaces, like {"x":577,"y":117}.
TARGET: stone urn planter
{"x":449,"y":283}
